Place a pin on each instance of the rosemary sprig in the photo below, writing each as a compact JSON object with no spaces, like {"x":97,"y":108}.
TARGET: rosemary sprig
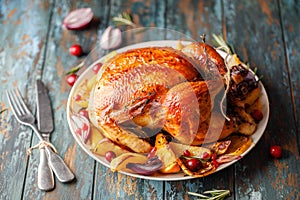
{"x":213,"y":194}
{"x":219,"y":41}
{"x":75,"y":69}
{"x":123,"y":19}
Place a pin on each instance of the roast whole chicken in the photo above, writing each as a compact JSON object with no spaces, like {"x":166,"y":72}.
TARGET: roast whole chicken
{"x":144,"y":91}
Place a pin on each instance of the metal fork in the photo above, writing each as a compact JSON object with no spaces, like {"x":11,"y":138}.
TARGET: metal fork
{"x":25,"y":117}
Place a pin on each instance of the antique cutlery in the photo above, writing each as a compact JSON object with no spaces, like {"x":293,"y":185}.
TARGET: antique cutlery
{"x":45,"y":126}
{"x":25,"y":117}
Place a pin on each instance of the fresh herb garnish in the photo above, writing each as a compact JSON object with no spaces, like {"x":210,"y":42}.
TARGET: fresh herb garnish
{"x":220,"y":42}
{"x":123,"y":19}
{"x":75,"y":69}
{"x":212,"y":194}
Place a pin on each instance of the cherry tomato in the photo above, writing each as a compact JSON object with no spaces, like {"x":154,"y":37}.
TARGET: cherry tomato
{"x":75,"y":50}
{"x":276,"y":151}
{"x":194,"y":164}
{"x":109,"y":155}
{"x":97,"y":67}
{"x":257,"y":115}
{"x":77,"y":97}
{"x":205,"y":155}
{"x":71,"y":79}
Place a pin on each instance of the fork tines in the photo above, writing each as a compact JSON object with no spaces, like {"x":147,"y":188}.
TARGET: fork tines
{"x":16,"y":102}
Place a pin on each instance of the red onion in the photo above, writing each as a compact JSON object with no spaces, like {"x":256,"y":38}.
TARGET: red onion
{"x":82,"y":126}
{"x":78,"y":19}
{"x":152,"y":165}
{"x":111,"y":38}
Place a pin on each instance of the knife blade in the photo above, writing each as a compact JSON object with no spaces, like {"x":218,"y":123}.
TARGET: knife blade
{"x":45,"y":126}
{"x":44,"y":110}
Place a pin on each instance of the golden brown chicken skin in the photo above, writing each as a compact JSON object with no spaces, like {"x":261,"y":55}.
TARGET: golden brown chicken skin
{"x":131,"y":89}
{"x":144,"y":91}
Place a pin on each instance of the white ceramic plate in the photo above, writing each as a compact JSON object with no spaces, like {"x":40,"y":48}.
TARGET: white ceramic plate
{"x":88,"y":74}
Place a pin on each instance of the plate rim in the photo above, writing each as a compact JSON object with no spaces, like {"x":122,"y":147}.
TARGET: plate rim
{"x":167,"y":177}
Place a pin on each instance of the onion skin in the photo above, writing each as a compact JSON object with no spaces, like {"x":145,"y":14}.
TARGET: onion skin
{"x":111,"y":38}
{"x":78,"y":19}
{"x":151,"y":166}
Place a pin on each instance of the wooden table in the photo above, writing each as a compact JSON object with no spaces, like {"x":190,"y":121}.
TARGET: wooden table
{"x":35,"y":46}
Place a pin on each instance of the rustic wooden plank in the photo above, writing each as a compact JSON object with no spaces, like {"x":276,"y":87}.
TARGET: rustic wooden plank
{"x":27,"y":55}
{"x":195,"y":18}
{"x":254,"y":29}
{"x":23,"y":36}
{"x":290,"y":12}
{"x":144,"y":13}
{"x":57,"y":62}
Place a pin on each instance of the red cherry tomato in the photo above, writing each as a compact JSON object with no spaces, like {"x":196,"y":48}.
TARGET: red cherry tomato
{"x":77,"y":97}
{"x":71,"y":79}
{"x":205,"y":156}
{"x":276,"y":151}
{"x":257,"y":115}
{"x":194,"y":164}
{"x":109,"y":155}
{"x":97,"y":67}
{"x":75,"y":50}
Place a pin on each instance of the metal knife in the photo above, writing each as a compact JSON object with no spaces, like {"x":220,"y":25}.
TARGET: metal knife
{"x":45,"y":124}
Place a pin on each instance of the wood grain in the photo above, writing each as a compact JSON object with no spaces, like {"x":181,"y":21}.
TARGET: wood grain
{"x":195,"y":18}
{"x":58,"y":61}
{"x":34,"y":45}
{"x":260,"y":43}
{"x":23,"y":39}
{"x":289,"y":12}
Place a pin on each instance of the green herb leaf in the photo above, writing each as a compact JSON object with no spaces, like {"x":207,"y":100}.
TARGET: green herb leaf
{"x":74,"y":70}
{"x":123,"y":19}
{"x":212,"y":194}
{"x":220,"y":42}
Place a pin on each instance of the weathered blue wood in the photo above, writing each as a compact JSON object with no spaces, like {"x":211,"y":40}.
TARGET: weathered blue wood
{"x":254,"y":29}
{"x":57,"y":62}
{"x":290,"y":13}
{"x":195,"y":18}
{"x":34,"y":45}
{"x":23,"y":38}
